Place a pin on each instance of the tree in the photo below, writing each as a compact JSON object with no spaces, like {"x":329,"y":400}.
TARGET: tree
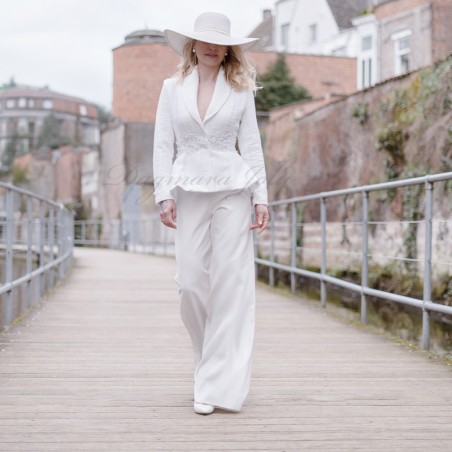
{"x":50,"y":135}
{"x":11,"y":151}
{"x":10,"y":84}
{"x":279,"y":87}
{"x":103,"y":114}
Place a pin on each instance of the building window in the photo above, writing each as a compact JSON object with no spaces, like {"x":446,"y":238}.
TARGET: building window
{"x":83,"y":110}
{"x":47,"y":104}
{"x":340,"y":51}
{"x":313,"y":33}
{"x":22,"y":102}
{"x":10,"y":103}
{"x":363,"y":73}
{"x":366,"y":56}
{"x":402,"y":52}
{"x":366,"y":72}
{"x":31,"y":103}
{"x":403,"y":55}
{"x":31,"y":134}
{"x":22,"y":126}
{"x":285,"y":34}
{"x":265,"y":40}
{"x":2,"y":131}
{"x":366,"y":43}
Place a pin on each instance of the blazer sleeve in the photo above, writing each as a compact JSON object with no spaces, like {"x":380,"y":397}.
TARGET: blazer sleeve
{"x":250,"y":147}
{"x":163,"y":147}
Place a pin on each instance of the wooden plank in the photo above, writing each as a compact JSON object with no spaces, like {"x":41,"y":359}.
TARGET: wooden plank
{"x":104,"y":363}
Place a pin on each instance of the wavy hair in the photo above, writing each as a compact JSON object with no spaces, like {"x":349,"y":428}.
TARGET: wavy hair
{"x":239,"y":73}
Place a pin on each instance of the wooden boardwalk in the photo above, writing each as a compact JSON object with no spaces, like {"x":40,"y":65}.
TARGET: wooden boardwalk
{"x":104,"y":364}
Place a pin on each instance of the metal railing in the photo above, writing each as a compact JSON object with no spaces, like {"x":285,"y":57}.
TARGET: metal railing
{"x":294,"y":205}
{"x":149,"y":236}
{"x":142,"y":235}
{"x":36,"y":243}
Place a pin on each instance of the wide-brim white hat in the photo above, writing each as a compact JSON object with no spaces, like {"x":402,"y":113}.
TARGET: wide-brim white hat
{"x":214,"y":28}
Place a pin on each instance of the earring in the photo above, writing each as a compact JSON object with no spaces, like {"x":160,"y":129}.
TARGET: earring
{"x":194,"y":50}
{"x":225,"y":53}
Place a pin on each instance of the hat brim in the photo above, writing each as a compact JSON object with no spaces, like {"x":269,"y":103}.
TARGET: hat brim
{"x":177,"y":40}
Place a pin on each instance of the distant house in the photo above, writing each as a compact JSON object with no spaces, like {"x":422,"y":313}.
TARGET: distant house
{"x":264,"y":31}
{"x":67,"y":174}
{"x":320,"y":27}
{"x":388,"y":37}
{"x":398,"y":36}
{"x":25,"y":111}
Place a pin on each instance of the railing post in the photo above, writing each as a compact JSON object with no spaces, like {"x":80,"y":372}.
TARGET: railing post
{"x":29,"y":248}
{"x":293,"y":248}
{"x":60,"y":232}
{"x":427,"y":298}
{"x":65,"y":231}
{"x":9,"y":255}
{"x":69,"y":235}
{"x":51,"y":239}
{"x":365,"y":254}
{"x":323,"y":263}
{"x":41,"y":241}
{"x":271,"y":271}
{"x":83,"y":233}
{"x":97,"y":235}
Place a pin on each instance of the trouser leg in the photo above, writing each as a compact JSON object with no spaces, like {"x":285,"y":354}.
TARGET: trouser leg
{"x":193,"y":249}
{"x":224,"y":372}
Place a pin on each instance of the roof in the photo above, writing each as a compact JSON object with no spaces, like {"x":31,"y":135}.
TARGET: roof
{"x":38,"y":92}
{"x":144,"y":36}
{"x":345,"y":10}
{"x":264,"y":31}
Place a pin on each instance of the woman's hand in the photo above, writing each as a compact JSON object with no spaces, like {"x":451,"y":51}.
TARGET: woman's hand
{"x":261,"y":217}
{"x":168,"y":213}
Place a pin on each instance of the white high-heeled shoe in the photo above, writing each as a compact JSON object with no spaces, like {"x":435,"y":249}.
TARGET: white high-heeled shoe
{"x":203,"y":408}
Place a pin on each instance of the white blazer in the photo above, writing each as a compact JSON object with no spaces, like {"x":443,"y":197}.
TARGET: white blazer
{"x":206,"y":156}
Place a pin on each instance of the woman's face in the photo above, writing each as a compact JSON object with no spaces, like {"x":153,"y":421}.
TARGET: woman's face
{"x":209,"y":54}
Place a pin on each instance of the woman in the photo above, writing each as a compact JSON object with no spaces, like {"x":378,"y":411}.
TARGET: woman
{"x":207,"y":113}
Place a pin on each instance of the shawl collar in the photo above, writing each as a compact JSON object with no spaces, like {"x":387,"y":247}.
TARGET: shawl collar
{"x":190,"y":93}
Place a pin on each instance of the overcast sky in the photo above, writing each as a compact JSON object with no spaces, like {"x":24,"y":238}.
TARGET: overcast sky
{"x":66,"y":44}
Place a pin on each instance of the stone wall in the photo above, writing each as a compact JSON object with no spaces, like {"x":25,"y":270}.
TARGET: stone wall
{"x":126,"y":162}
{"x":335,"y":146}
{"x":113,"y":174}
{"x":396,"y":130}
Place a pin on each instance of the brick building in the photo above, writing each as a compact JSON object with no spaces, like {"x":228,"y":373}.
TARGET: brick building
{"x":23,"y":114}
{"x":139,"y":69}
{"x":398,"y":36}
{"x":388,"y":37}
{"x":140,"y":65}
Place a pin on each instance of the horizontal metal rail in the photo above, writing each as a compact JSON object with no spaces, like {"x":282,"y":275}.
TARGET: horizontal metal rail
{"x":143,"y":235}
{"x":436,"y":307}
{"x":367,"y":188}
{"x":425,"y":304}
{"x":36,"y":247}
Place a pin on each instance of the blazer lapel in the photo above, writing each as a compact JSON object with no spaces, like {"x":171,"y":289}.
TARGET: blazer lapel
{"x":219,"y":96}
{"x":190,"y":94}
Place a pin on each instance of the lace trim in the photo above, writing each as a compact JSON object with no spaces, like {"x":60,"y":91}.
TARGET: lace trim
{"x":194,"y":142}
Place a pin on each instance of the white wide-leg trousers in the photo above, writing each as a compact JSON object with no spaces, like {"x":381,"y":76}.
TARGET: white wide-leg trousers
{"x":215,"y":274}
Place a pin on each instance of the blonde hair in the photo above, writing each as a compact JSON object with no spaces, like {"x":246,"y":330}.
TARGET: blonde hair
{"x":239,"y":73}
